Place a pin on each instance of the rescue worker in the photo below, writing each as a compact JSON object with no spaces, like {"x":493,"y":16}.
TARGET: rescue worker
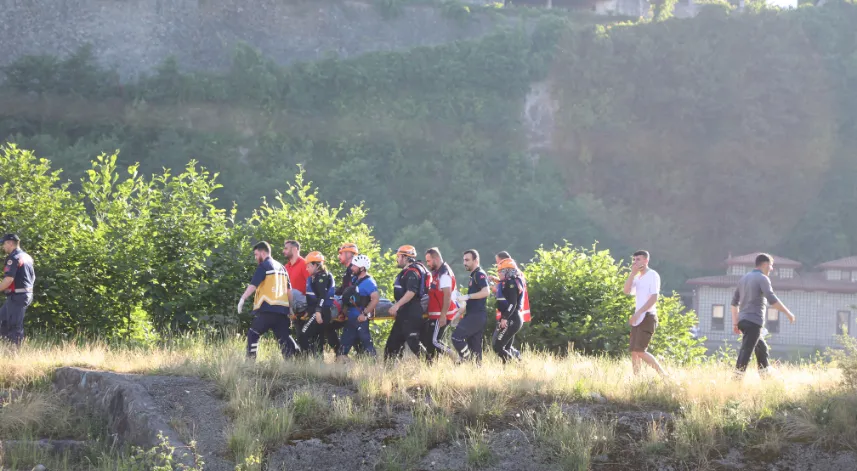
{"x":407,"y":310}
{"x":360,"y":299}
{"x":296,"y":267}
{"x":510,"y":298}
{"x":271,"y":303}
{"x":525,"y":304}
{"x":319,"y":294}
{"x":347,"y":252}
{"x":467,"y":337}
{"x":17,"y":284}
{"x":441,"y":308}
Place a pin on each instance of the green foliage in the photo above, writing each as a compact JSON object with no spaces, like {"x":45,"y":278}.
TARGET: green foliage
{"x":455,"y":10}
{"x":673,"y":339}
{"x":576,"y":298}
{"x":134,"y":257}
{"x":434,"y":141}
{"x":410,"y":133}
{"x":676,"y":102}
{"x":846,"y":358}
{"x":663,"y":9}
{"x":161,"y":457}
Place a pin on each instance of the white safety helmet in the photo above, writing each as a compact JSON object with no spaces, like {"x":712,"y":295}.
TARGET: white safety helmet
{"x":361,"y":261}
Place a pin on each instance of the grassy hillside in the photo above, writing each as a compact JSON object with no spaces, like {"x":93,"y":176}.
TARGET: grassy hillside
{"x":572,"y":413}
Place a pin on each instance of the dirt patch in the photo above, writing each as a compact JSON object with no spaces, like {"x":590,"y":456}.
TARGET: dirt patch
{"x":511,"y":450}
{"x":193,"y":409}
{"x":351,"y":450}
{"x":810,"y":458}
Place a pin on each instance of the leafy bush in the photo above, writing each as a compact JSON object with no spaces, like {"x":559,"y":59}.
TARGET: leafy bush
{"x":128,"y":254}
{"x":577,"y":299}
{"x":847,"y":360}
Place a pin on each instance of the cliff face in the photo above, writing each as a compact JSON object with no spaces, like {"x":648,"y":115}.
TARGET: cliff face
{"x":137,"y":35}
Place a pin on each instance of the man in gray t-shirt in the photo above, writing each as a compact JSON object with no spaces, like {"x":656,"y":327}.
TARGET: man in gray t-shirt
{"x":749,"y":304}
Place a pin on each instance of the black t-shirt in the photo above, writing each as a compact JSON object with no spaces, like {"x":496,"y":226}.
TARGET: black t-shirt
{"x":478,"y":280}
{"x":409,"y":279}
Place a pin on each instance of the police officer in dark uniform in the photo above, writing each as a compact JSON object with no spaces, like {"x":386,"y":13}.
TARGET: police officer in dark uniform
{"x":467,"y":337}
{"x":18,"y":279}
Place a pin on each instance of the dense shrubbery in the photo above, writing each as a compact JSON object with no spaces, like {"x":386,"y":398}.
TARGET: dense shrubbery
{"x":413,"y":134}
{"x":577,"y":301}
{"x":130,"y":255}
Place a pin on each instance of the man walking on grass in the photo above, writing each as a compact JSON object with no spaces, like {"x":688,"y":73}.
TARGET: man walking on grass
{"x":273,"y":296}
{"x":645,"y":284}
{"x":749,"y":304}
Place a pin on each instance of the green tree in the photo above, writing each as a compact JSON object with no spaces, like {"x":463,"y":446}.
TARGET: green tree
{"x":576,"y":298}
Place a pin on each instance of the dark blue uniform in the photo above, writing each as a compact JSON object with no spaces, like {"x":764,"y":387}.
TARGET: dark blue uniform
{"x":273,"y":315}
{"x":354,"y":329}
{"x":319,"y":296}
{"x":510,"y":296}
{"x":467,"y":337}
{"x":348,"y":280}
{"x":19,"y":295}
{"x":409,"y":319}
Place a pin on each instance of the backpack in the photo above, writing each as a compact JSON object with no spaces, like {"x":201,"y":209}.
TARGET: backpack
{"x":425,"y":284}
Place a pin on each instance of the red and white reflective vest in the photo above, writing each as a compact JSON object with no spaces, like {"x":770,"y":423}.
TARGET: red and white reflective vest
{"x":524,"y":308}
{"x":436,"y":294}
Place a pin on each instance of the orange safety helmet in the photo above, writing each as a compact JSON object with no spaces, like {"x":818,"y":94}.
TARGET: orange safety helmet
{"x":349,"y":247}
{"x":506,"y":264}
{"x":408,"y":251}
{"x":315,"y":257}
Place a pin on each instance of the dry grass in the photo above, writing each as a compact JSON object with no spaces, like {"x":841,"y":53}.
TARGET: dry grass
{"x":655,"y":438}
{"x":712,"y":408}
{"x":571,"y":439}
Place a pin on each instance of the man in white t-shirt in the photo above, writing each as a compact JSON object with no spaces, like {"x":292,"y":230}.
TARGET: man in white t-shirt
{"x":645,"y":284}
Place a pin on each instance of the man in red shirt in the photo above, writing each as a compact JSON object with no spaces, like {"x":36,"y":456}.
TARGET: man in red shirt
{"x":296,"y":266}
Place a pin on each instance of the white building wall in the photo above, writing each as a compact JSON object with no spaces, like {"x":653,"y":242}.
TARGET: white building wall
{"x":815,"y":313}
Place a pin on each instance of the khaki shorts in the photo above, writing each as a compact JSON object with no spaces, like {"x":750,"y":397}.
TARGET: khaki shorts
{"x":641,"y":334}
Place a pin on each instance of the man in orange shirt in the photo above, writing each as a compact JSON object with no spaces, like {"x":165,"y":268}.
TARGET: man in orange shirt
{"x":296,"y":266}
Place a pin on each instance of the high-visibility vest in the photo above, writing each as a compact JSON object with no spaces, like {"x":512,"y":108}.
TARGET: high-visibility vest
{"x":524,"y":307}
{"x":436,"y":295}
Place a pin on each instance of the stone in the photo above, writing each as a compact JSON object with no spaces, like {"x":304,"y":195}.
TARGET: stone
{"x":129,"y":409}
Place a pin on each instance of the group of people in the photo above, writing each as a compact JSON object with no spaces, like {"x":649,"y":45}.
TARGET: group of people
{"x":426,"y":301}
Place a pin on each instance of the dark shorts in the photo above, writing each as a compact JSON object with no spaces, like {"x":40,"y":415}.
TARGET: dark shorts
{"x":641,"y":334}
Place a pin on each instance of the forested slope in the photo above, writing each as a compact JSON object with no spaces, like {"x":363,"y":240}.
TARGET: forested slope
{"x":689,"y":137}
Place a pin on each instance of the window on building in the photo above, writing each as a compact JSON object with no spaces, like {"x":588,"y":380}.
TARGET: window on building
{"x":737,"y":270}
{"x":854,"y":276}
{"x":834,"y":275}
{"x":718,"y":313}
{"x":787,"y":272}
{"x":843,"y":322}
{"x":772,"y":321}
